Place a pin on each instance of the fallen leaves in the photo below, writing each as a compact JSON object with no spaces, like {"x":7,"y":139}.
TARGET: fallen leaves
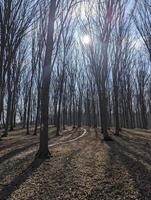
{"x":82,"y":170}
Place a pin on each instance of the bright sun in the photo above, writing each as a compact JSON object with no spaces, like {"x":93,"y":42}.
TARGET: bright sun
{"x":86,"y":40}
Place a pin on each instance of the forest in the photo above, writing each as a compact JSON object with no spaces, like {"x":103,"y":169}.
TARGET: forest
{"x":75,"y":99}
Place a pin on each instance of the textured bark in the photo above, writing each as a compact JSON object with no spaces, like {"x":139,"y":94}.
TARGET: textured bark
{"x":43,"y":151}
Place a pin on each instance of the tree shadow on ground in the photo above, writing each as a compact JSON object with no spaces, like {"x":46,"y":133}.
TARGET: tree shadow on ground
{"x":7,"y":190}
{"x":136,"y":165}
{"x":65,"y":176}
{"x":24,"y":147}
{"x":16,"y":151}
{"x":20,"y":178}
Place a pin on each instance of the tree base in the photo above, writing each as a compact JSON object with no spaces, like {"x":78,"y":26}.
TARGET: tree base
{"x":11,"y":129}
{"x":4,"y":135}
{"x":43,"y":155}
{"x":108,"y":138}
{"x":58,"y":134}
{"x":117,"y":134}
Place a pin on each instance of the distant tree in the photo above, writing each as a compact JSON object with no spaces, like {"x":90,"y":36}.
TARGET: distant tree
{"x":142,"y":21}
{"x":15,"y":19}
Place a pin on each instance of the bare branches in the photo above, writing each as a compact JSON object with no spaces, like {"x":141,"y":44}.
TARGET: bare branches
{"x":142,"y":21}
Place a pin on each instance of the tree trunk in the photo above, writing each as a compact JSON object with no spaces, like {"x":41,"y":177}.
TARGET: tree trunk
{"x":8,"y":102}
{"x":43,"y":151}
{"x":60,"y":100}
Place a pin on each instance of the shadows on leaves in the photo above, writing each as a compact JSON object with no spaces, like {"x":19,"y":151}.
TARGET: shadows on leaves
{"x":7,"y":190}
{"x":135,"y":166}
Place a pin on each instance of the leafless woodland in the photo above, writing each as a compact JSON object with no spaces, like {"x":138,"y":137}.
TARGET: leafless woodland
{"x":71,"y":65}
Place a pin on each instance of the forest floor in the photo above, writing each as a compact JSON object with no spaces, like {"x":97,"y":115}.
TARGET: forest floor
{"x":83,"y":169}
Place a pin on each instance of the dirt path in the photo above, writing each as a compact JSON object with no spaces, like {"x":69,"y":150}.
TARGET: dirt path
{"x":84,"y":169}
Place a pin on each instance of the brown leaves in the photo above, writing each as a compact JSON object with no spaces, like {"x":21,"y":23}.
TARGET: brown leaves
{"x":82,"y":170}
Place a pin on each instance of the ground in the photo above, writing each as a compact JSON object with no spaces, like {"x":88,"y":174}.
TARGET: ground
{"x":80,"y":169}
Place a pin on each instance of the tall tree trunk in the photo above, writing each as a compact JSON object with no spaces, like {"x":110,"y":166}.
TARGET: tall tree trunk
{"x":29,"y":104}
{"x":80,"y":110}
{"x":25,"y":110}
{"x":64,"y":108}
{"x":60,"y":100}
{"x":116,"y":110}
{"x":43,"y":151}
{"x":38,"y":111}
{"x":8,"y":102}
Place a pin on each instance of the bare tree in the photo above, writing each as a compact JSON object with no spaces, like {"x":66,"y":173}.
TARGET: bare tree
{"x":43,"y":148}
